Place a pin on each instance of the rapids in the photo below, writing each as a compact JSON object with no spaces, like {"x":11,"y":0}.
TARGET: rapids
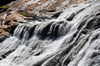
{"x":73,"y":39}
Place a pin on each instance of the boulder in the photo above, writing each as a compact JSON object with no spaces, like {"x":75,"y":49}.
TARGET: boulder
{"x":11,"y":22}
{"x":14,"y":17}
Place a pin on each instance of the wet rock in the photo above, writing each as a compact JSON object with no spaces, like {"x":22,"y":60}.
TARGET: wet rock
{"x":71,"y":17}
{"x":11,"y":22}
{"x":85,"y":31}
{"x":29,"y":18}
{"x":3,"y":35}
{"x":52,"y":10}
{"x":3,"y":32}
{"x":56,"y":15}
{"x":94,"y":23}
{"x":0,"y":58}
{"x":1,"y":20}
{"x":76,"y":2}
{"x":42,"y":8}
{"x":15,"y":17}
{"x":95,"y":54}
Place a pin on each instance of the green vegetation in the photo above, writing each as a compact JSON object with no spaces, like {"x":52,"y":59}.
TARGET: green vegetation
{"x":23,"y":14}
{"x":4,"y":7}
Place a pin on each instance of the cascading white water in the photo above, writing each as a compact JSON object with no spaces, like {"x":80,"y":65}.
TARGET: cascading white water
{"x":70,"y":40}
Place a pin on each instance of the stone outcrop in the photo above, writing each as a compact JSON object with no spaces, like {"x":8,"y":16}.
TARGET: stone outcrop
{"x":14,"y":17}
{"x":11,"y":21}
{"x":9,"y":24}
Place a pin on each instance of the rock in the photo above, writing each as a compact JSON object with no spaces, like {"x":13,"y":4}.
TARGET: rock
{"x":1,"y":20}
{"x":75,"y":2}
{"x":56,"y":15}
{"x":32,"y":6}
{"x":14,"y":17}
{"x":3,"y":34}
{"x":9,"y":24}
{"x":12,"y":21}
{"x":10,"y":27}
{"x":71,"y":17}
{"x":43,"y":8}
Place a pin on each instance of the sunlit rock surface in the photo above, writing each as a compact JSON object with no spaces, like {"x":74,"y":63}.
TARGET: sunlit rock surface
{"x":41,"y":8}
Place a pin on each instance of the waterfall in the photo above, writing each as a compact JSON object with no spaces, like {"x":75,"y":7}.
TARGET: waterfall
{"x":73,"y":39}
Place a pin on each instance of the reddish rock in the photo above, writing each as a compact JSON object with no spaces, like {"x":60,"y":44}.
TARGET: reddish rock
{"x":3,"y":35}
{"x":3,"y":32}
{"x":9,"y":27}
{"x":42,"y":8}
{"x":14,"y":17}
{"x":75,"y":2}
{"x":11,"y":22}
{"x":32,"y":6}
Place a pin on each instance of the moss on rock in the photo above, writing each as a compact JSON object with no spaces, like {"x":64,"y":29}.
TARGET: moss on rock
{"x":24,"y":14}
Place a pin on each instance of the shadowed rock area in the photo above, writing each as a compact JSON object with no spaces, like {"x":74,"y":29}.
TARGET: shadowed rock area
{"x":4,"y":2}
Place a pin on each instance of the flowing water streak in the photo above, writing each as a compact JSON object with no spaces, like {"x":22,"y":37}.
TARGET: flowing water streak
{"x":59,"y":42}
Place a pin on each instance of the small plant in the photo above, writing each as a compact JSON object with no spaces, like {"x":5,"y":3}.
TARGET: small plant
{"x":4,"y":7}
{"x":23,"y":14}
